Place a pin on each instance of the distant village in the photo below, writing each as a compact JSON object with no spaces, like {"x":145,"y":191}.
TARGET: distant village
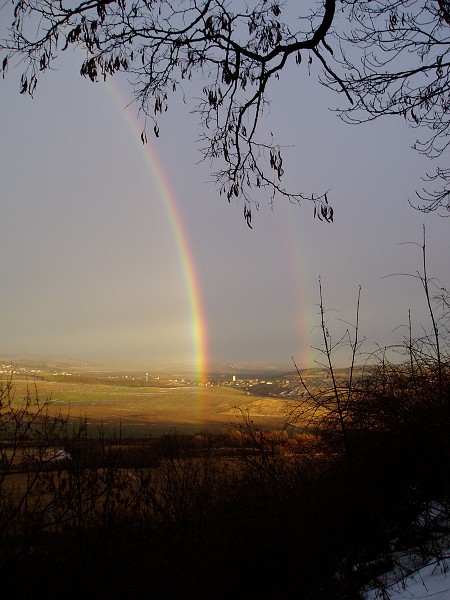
{"x":279,"y":385}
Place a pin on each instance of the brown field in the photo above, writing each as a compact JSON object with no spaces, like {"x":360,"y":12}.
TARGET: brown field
{"x":149,"y":411}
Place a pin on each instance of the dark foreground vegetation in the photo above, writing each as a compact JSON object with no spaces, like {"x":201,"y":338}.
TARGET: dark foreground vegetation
{"x":312,"y":512}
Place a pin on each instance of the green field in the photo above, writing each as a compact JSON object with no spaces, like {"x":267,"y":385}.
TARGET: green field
{"x":142,"y":411}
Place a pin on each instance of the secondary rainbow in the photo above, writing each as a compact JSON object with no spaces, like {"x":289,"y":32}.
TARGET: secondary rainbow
{"x":190,"y":277}
{"x":305,"y":321}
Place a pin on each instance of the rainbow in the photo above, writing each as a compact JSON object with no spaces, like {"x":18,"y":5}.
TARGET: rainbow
{"x":304,"y":321}
{"x":185,"y":255}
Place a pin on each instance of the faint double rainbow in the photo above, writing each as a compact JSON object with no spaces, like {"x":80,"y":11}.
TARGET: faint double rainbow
{"x":181,"y":240}
{"x":302,"y":320}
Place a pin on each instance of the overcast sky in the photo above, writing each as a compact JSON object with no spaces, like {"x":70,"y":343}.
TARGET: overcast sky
{"x":89,"y":263}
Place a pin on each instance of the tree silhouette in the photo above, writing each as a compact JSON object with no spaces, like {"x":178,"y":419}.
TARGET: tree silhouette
{"x":384,"y":56}
{"x":402,"y":68}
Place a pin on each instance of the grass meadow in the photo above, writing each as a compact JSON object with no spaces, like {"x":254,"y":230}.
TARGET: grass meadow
{"x":143,"y":411}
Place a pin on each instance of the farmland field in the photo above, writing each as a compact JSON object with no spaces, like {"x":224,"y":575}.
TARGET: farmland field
{"x":142,"y":411}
